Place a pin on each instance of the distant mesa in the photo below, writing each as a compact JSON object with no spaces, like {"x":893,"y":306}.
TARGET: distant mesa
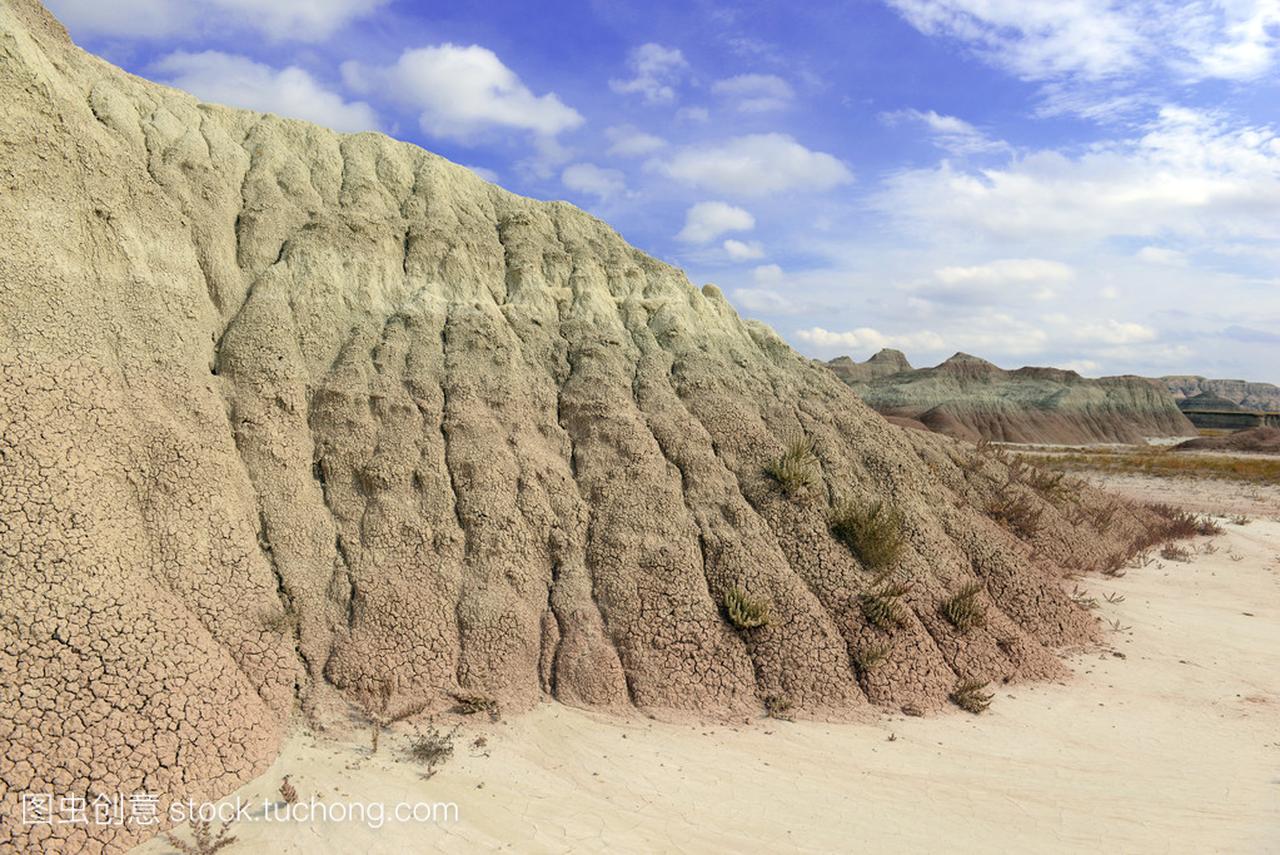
{"x":1261,"y":397}
{"x":970,"y":398}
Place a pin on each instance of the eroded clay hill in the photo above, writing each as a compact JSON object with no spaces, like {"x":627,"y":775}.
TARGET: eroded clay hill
{"x":287,"y":415}
{"x":970,"y":398}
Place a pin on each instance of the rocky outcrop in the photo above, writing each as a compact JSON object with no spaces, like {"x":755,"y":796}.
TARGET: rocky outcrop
{"x":881,"y":364}
{"x":288,"y":416}
{"x":1264,"y":397}
{"x":970,"y":398}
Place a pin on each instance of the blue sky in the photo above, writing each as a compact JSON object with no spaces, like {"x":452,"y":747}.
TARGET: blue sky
{"x":1087,"y":184}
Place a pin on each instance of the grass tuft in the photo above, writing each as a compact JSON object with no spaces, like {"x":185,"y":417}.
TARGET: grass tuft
{"x":797,"y":469}
{"x":745,"y":611}
{"x":963,"y":609}
{"x":1017,"y":512}
{"x":872,"y":532}
{"x":969,"y":696}
{"x":869,"y":657}
{"x":778,"y":706}
{"x":883,"y":604}
{"x":432,"y":748}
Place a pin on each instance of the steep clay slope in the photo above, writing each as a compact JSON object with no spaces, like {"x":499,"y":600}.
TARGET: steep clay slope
{"x":1251,"y":396}
{"x":287,"y":415}
{"x":969,"y":398}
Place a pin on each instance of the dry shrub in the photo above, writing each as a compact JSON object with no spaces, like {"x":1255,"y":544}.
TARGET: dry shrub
{"x":970,"y":697}
{"x":797,"y":469}
{"x":288,"y":791}
{"x":963,"y":609}
{"x":432,"y":747}
{"x":1175,"y":552}
{"x":375,"y":703}
{"x":745,"y":611}
{"x":778,"y":706}
{"x":872,"y":532}
{"x":203,"y":840}
{"x":470,"y":704}
{"x":1017,"y":512}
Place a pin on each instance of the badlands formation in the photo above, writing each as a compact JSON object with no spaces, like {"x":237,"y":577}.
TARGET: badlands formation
{"x":289,"y":416}
{"x":970,"y":398}
{"x":1251,"y":396}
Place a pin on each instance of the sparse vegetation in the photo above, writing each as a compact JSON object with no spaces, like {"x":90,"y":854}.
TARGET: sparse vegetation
{"x":745,"y":611}
{"x":1163,"y":463}
{"x":432,"y":747}
{"x":1175,"y":552}
{"x":288,"y":791}
{"x":1239,"y":519}
{"x":970,"y":697}
{"x":797,"y":469}
{"x":778,"y":706}
{"x":1113,"y":598}
{"x":375,"y":703}
{"x":1017,"y":512}
{"x":883,"y":604}
{"x":203,"y":840}
{"x":470,"y":704}
{"x":872,"y":532}
{"x":869,"y":657}
{"x":963,"y":610}
{"x":1081,"y":598}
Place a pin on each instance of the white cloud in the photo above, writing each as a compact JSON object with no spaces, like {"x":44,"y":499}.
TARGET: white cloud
{"x":693,"y":115}
{"x":767,"y":273}
{"x":743,"y":250}
{"x":1091,"y":53}
{"x":628,"y":141}
{"x":1080,"y":366}
{"x":1162,"y":255}
{"x":949,"y":132}
{"x":589,"y":178}
{"x":300,"y":20}
{"x":707,"y":221}
{"x":765,"y":301}
{"x":240,"y":82}
{"x":866,"y":338}
{"x":1112,"y":332}
{"x":755,"y":165}
{"x":1188,"y":175}
{"x":655,"y":69}
{"x":463,"y":91}
{"x":1035,"y":277}
{"x":755,"y":93}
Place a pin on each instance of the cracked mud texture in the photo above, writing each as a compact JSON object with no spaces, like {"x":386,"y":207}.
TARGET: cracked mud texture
{"x":285,"y":414}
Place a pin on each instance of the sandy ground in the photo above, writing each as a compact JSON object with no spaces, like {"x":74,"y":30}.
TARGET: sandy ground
{"x":1169,"y":741}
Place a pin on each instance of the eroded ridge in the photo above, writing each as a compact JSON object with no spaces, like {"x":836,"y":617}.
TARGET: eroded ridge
{"x":288,"y":415}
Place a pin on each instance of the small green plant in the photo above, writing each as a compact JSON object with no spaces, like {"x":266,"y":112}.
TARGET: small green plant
{"x":745,"y":611}
{"x":797,"y":469}
{"x":873,"y":532}
{"x":432,"y":747}
{"x":778,"y":706}
{"x":963,"y":609}
{"x":882,"y":605}
{"x":1113,"y":598}
{"x":203,"y":839}
{"x":969,"y":696}
{"x":1017,"y":512}
{"x":869,"y":657}
{"x":468,"y":704}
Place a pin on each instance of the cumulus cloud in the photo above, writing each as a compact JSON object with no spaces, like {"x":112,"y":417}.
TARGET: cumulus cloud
{"x":1162,"y":255}
{"x":766,"y":301}
{"x":948,"y":132}
{"x":628,"y":141}
{"x":300,"y":20}
{"x":1189,"y":174}
{"x":240,"y":82}
{"x":1092,"y":53}
{"x":755,"y":93}
{"x":755,"y":165}
{"x":589,"y":178}
{"x":463,"y":91}
{"x":866,"y":338}
{"x":707,"y":221}
{"x":1112,"y":332}
{"x":743,"y":250}
{"x":655,"y":69}
{"x":998,"y":280}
